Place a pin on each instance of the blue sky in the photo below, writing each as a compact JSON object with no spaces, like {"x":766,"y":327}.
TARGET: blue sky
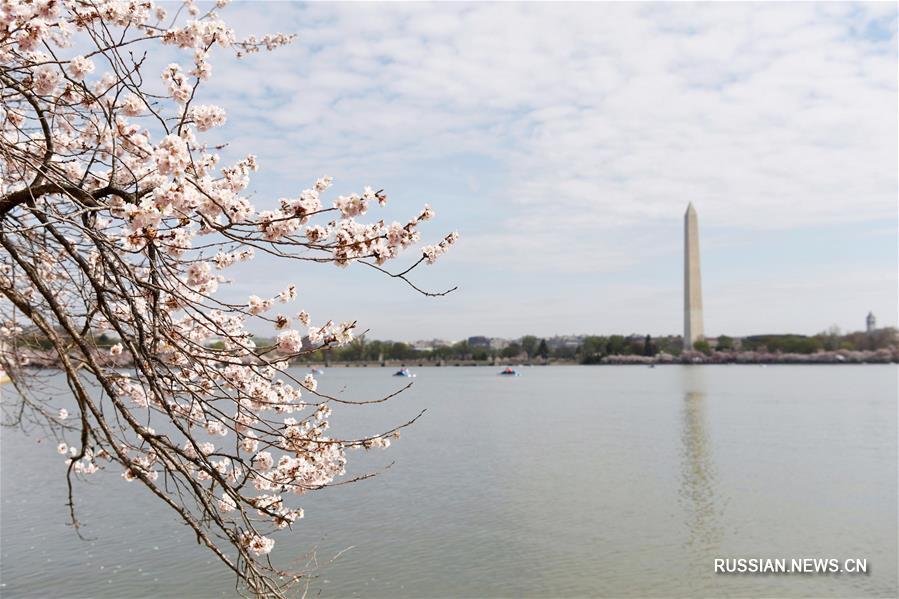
{"x":564,"y":142}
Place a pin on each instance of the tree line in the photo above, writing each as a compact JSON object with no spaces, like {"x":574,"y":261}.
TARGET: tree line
{"x":591,"y":349}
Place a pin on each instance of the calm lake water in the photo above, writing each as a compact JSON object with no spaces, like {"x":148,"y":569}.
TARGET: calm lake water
{"x":615,"y":481}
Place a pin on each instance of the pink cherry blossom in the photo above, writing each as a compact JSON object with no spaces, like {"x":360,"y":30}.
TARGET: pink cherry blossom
{"x":122,"y":221}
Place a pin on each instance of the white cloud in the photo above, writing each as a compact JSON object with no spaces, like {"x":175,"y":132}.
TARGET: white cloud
{"x":764,"y":115}
{"x":584,"y":128}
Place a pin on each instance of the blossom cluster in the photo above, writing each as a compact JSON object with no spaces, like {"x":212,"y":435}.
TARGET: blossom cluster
{"x":138,"y":223}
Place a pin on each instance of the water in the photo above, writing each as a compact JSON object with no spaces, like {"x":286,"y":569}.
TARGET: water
{"x":615,"y":481}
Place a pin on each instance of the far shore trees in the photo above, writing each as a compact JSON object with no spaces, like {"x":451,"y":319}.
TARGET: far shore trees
{"x":118,"y":222}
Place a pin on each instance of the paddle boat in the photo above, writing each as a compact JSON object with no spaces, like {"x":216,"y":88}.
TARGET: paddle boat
{"x":4,"y":378}
{"x":403,"y":372}
{"x":509,"y":372}
{"x":315,"y":370}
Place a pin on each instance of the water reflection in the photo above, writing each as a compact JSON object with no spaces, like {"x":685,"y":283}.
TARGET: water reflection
{"x":698,"y":494}
{"x":653,"y":477}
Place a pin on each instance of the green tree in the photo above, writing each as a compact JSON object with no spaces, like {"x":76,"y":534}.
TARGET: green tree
{"x":616,"y":345}
{"x":529,"y":344}
{"x":648,"y":347}
{"x":480,"y":354}
{"x":511,"y":350}
{"x":593,"y":349}
{"x":565,"y":353}
{"x":400,"y":351}
{"x":352,"y":352}
{"x":444,"y":352}
{"x":461,"y":350}
{"x":667,"y":344}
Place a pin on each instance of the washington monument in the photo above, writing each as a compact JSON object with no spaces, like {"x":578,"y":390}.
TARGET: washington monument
{"x":693,"y":330}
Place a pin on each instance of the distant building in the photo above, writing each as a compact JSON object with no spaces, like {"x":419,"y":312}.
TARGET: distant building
{"x":430,"y":345}
{"x":498,"y":344}
{"x":564,"y":341}
{"x":479,"y":341}
{"x":871,"y":322}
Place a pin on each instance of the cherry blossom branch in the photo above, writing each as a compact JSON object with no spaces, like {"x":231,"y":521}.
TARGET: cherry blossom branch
{"x":116,"y":219}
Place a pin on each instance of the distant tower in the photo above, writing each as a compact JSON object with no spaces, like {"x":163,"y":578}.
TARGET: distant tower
{"x":693,"y":330}
{"x":871,"y":322}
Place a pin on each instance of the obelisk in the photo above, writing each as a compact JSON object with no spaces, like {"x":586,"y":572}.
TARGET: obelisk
{"x":693,"y":330}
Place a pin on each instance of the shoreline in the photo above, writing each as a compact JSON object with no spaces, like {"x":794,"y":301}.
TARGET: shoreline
{"x":411,"y":364}
{"x":43,"y":360}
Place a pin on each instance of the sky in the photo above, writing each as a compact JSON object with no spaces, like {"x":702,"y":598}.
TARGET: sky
{"x":564,"y":142}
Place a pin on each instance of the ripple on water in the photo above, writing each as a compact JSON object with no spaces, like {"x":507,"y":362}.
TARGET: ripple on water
{"x":576,"y":482}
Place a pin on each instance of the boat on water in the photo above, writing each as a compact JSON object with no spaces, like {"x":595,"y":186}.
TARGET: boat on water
{"x":404,"y":372}
{"x":314,"y":370}
{"x":4,"y":378}
{"x":509,"y":372}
